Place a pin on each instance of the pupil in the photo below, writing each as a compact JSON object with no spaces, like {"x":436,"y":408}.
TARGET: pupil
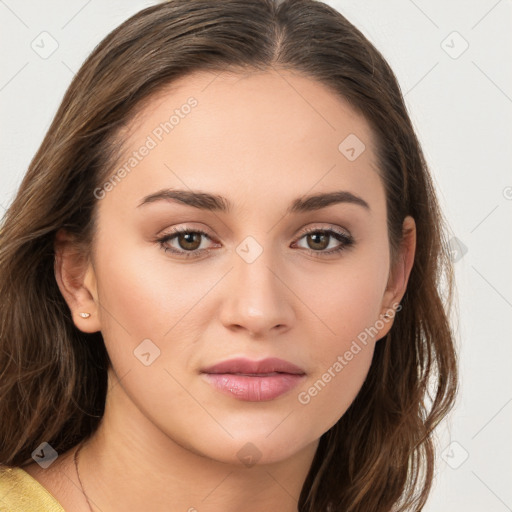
{"x":189,"y":240}
{"x":316,"y":240}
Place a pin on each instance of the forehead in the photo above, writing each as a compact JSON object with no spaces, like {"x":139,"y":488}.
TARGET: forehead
{"x":265,"y":134}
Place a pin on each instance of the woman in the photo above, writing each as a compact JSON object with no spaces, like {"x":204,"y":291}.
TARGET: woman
{"x":221,"y":276}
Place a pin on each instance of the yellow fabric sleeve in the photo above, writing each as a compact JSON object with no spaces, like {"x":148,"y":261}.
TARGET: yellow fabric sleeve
{"x":19,"y":492}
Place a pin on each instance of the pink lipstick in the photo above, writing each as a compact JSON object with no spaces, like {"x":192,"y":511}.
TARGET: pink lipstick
{"x":254,"y":381}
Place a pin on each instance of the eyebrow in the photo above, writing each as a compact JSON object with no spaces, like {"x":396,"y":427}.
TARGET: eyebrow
{"x":213,"y":202}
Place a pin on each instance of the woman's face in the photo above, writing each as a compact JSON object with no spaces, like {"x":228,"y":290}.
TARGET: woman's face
{"x":255,"y":286}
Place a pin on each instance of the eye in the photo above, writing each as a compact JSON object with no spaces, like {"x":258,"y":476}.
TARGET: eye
{"x":320,"y":239}
{"x":189,"y":241}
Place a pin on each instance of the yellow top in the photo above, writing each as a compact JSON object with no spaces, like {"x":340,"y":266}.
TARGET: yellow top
{"x":19,"y":492}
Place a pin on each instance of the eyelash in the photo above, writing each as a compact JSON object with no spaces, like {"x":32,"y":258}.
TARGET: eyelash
{"x":347,"y":240}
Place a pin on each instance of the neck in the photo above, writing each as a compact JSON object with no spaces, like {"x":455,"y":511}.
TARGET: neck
{"x":131,"y":464}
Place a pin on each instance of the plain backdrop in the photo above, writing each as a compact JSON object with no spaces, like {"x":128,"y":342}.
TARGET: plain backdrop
{"x":453,"y":61}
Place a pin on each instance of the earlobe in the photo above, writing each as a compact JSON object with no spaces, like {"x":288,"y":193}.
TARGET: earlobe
{"x":398,"y":279}
{"x":76,"y":280}
{"x":399,"y":275}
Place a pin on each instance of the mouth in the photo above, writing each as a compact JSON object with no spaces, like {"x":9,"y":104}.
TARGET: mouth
{"x":254,"y":381}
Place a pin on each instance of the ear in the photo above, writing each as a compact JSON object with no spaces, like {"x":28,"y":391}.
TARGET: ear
{"x":77,"y":281}
{"x":398,"y":276}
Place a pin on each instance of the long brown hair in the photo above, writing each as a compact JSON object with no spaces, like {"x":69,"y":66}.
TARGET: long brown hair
{"x":380,"y":454}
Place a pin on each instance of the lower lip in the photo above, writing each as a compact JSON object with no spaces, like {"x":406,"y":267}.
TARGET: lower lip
{"x":253,"y":388}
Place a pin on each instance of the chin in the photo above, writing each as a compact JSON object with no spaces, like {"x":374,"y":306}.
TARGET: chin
{"x":256,"y":448}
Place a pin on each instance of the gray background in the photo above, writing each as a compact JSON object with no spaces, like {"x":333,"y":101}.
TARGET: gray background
{"x":460,"y":101}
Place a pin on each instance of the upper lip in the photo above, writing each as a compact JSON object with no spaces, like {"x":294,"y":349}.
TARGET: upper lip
{"x":248,"y":366}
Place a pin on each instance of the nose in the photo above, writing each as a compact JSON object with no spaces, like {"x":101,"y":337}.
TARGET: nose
{"x":258,"y":298}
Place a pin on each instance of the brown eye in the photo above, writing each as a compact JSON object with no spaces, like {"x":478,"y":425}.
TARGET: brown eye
{"x":189,"y":241}
{"x":319,"y":240}
{"x":184,"y":242}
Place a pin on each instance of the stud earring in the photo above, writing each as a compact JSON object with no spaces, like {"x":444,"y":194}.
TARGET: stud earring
{"x":85,"y":315}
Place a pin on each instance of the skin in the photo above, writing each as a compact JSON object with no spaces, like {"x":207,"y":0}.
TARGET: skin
{"x":260,"y":143}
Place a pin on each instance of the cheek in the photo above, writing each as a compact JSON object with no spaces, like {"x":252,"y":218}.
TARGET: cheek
{"x":329,"y":392}
{"x":147,"y":296}
{"x":342,"y":355}
{"x":348,"y":303}
{"x":347,"y":299}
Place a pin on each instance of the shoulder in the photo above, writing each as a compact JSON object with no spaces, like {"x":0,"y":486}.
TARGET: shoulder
{"x":19,"y":492}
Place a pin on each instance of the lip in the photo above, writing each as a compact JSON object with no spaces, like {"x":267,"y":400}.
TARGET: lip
{"x":254,"y":381}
